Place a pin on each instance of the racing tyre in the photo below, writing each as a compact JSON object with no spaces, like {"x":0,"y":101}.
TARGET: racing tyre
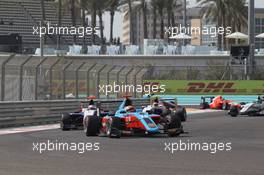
{"x":174,"y":126}
{"x":234,"y":111}
{"x":204,"y":105}
{"x":65,"y":120}
{"x":93,"y":124}
{"x":113,"y":128}
{"x":181,"y":112}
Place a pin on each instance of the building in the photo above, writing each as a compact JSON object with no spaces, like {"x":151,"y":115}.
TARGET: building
{"x":126,"y":28}
{"x":207,"y":40}
{"x":194,"y":19}
{"x":259,"y":22}
{"x":138,"y":23}
{"x":196,"y":37}
{"x":200,"y":38}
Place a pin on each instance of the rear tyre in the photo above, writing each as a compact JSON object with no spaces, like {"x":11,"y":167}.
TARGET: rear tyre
{"x":225,"y":106}
{"x":181,"y":112}
{"x":174,"y":127}
{"x":93,"y":124}
{"x":113,"y":127}
{"x":65,"y":120}
{"x":234,"y":111}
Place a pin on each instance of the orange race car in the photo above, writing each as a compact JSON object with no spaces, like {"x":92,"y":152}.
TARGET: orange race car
{"x":217,"y":102}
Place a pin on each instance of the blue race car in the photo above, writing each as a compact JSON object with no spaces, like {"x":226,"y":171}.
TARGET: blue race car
{"x":129,"y":121}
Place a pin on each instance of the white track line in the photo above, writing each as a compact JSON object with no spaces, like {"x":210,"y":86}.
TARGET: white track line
{"x":28,"y":129}
{"x":203,"y":111}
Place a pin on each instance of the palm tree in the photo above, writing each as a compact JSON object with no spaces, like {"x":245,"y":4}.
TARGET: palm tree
{"x":144,"y":12}
{"x":93,"y":15}
{"x":84,"y":5}
{"x":138,"y":5}
{"x":171,"y":7}
{"x":100,"y":15}
{"x":154,"y":11}
{"x":74,"y":7}
{"x":59,"y":23}
{"x":238,"y":14}
{"x":129,"y":2}
{"x":91,"y":6}
{"x":112,"y":9}
{"x":224,"y":13}
{"x":101,"y":6}
{"x":73,"y":16}
{"x":161,"y":5}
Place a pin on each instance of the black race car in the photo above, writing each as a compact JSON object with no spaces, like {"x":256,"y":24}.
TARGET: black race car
{"x":166,"y":106}
{"x":74,"y":120}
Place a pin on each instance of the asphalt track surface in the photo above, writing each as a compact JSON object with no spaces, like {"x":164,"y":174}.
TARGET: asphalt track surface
{"x":143,"y":155}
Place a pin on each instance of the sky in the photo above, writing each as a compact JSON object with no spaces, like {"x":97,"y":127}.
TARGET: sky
{"x":118,"y":19}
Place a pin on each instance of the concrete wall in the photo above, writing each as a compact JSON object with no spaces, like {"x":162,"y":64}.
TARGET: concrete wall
{"x":161,"y":60}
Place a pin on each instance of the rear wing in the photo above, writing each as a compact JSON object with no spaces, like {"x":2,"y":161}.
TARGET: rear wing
{"x":168,"y":102}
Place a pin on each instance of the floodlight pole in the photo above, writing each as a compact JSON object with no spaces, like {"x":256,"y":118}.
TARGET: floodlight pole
{"x":251,"y":40}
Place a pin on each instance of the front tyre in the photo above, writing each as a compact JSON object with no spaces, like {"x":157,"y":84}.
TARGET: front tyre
{"x":92,"y":126}
{"x":181,"y":112}
{"x":65,"y":120}
{"x":234,"y":111}
{"x":204,"y":105}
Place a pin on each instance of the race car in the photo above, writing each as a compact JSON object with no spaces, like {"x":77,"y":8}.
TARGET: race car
{"x":130,"y":121}
{"x":251,"y":109}
{"x":163,"y":105}
{"x":74,"y":120}
{"x":218,"y":102}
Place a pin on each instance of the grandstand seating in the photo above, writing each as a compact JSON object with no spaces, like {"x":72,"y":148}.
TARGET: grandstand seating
{"x":19,"y":16}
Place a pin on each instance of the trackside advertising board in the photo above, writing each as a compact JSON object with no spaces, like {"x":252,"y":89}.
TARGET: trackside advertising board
{"x":210,"y":87}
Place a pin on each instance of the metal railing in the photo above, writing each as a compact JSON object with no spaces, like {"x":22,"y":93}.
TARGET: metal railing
{"x":57,"y":78}
{"x":25,"y":78}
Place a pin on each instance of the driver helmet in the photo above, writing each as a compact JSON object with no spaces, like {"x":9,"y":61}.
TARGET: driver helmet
{"x":155,"y":104}
{"x":261,"y":99}
{"x":130,"y":108}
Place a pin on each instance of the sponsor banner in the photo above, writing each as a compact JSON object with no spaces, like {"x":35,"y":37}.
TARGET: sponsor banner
{"x":210,"y":87}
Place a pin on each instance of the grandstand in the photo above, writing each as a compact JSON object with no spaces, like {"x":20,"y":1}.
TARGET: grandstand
{"x":19,"y":17}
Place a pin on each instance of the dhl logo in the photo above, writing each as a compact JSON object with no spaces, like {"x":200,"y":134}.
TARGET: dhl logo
{"x":211,"y":87}
{"x":198,"y":87}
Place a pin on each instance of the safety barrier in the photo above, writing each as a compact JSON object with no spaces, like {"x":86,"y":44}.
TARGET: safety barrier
{"x":43,"y":112}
